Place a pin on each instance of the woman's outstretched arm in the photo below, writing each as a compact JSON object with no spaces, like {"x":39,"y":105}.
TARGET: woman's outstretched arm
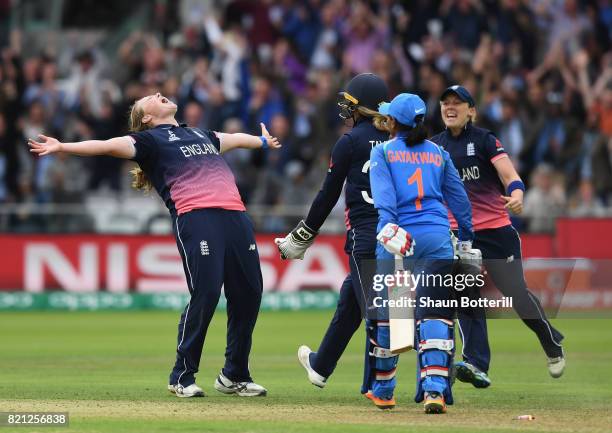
{"x":120,"y":147}
{"x":247,"y":141}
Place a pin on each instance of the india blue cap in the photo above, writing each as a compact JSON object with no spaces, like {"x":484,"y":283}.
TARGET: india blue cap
{"x":405,"y":107}
{"x":461,"y":92}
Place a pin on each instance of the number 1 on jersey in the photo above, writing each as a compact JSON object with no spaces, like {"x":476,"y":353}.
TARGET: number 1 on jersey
{"x":417,"y":177}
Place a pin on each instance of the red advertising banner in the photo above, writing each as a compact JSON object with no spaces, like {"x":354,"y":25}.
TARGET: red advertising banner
{"x":151,"y":264}
{"x":148,"y":264}
{"x":585,"y":237}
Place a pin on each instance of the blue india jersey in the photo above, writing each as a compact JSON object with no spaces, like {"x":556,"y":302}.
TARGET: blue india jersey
{"x":410,"y":186}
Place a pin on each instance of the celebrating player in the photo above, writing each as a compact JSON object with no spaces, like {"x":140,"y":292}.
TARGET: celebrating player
{"x":213,"y":233}
{"x":350,"y":160}
{"x":493,"y":187}
{"x":411,"y":179}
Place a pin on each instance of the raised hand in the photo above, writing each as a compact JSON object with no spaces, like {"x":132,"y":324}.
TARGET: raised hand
{"x":581,"y":59}
{"x":46,"y":145}
{"x":272,"y":141}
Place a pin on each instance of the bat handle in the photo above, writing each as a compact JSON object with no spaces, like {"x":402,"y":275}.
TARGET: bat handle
{"x":399,"y":266}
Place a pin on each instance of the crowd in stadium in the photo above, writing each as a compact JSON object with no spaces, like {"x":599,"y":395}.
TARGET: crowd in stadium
{"x":540,"y":70}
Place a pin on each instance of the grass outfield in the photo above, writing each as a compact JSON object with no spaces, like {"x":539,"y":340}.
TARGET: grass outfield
{"x":109,"y":370}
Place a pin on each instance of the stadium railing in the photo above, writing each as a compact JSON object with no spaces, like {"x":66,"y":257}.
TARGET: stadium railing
{"x":135,"y":215}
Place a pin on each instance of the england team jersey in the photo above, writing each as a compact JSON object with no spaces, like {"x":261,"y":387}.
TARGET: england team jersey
{"x":473,"y":152}
{"x":350,"y":162}
{"x":186,"y":168}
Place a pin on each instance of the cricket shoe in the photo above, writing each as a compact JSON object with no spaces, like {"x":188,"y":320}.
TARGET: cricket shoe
{"x":192,"y":390}
{"x":242,"y":389}
{"x":466,"y":372}
{"x":380,"y":403}
{"x":304,"y":357}
{"x":434,"y":403}
{"x":556,"y":366}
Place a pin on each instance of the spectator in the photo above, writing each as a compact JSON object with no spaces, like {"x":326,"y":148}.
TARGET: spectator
{"x":436,"y":84}
{"x":540,"y":70}
{"x":176,"y":59}
{"x":568,"y":24}
{"x":585,"y":203}
{"x":291,"y":149}
{"x":301,"y":23}
{"x":105,"y":170}
{"x":240,"y":162}
{"x":82,"y":86}
{"x":511,"y":131}
{"x":464,"y":22}
{"x":325,"y":53}
{"x":517,"y":32}
{"x":544,"y":200}
{"x":193,"y":115}
{"x":8,"y":161}
{"x":265,"y":102}
{"x":363,"y":34}
{"x":66,"y":179}
{"x":229,"y":53}
{"x":255,"y":17}
{"x":288,"y":68}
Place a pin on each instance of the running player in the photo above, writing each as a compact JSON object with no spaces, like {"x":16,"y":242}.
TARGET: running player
{"x":494,"y":187}
{"x":411,"y":180}
{"x":213,"y":233}
{"x":350,"y":162}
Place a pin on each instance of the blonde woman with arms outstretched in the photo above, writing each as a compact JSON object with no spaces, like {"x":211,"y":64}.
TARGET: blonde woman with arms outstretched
{"x":213,"y":232}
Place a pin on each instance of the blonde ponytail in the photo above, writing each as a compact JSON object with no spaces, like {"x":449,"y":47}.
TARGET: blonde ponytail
{"x":135,"y":123}
{"x":378,"y":120}
{"x":140,"y":180}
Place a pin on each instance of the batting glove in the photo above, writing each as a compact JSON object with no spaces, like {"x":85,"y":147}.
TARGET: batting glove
{"x":396,"y":240}
{"x":295,"y":244}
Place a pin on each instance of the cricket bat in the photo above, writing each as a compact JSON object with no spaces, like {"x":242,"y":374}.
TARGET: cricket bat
{"x":401,"y":319}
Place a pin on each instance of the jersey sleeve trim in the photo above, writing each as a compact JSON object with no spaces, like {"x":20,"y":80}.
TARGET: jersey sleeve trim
{"x":219,"y":136}
{"x":498,"y":157}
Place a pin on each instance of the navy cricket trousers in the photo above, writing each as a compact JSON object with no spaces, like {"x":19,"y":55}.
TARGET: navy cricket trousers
{"x":217,"y":247}
{"x":501,"y":252}
{"x":360,"y":245}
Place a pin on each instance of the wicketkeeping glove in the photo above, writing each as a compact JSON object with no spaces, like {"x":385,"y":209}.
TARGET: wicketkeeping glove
{"x":470,"y":258}
{"x":295,"y":244}
{"x":396,"y":240}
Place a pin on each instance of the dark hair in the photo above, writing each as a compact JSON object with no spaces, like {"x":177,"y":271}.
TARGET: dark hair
{"x":414,"y":135}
